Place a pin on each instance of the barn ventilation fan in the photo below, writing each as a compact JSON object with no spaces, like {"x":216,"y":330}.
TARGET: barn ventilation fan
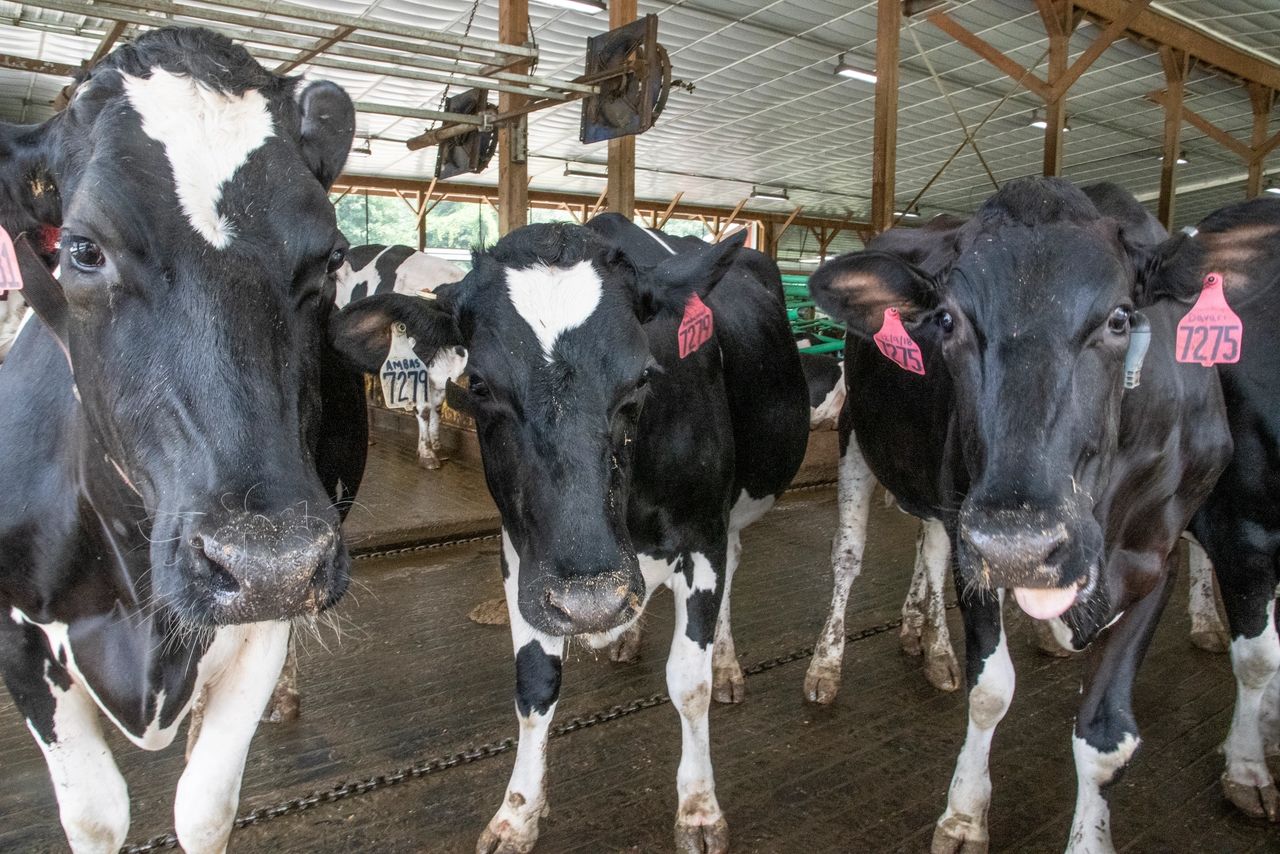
{"x":468,"y":152}
{"x":634,"y":76}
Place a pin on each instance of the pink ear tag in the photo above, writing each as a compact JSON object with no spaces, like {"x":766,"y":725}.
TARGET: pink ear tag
{"x":897,"y":345}
{"x":695,"y":327}
{"x":1211,"y":333}
{"x":10,"y":277}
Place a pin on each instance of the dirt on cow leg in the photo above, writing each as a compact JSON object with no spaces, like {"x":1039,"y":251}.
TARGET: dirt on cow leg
{"x":195,"y":720}
{"x":285,"y":704}
{"x":626,"y":649}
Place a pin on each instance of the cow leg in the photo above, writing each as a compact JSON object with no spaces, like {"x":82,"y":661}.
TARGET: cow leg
{"x":93,"y":801}
{"x":990,"y":677}
{"x":934,"y":551}
{"x":1248,"y":591}
{"x":285,"y":704}
{"x":1207,"y":631}
{"x":1106,"y":733}
{"x":728,"y":684}
{"x":700,"y":825}
{"x":514,"y":828}
{"x":913,"y":607}
{"x":855,"y":485}
{"x":626,"y":649}
{"x":426,"y":453}
{"x":435,"y":399}
{"x":209,"y":790}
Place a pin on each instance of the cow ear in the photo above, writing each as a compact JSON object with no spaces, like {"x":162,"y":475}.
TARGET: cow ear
{"x":41,"y":290}
{"x":361,"y":332}
{"x":328,"y":126}
{"x":668,"y":286}
{"x":1167,"y":270}
{"x":857,"y":288}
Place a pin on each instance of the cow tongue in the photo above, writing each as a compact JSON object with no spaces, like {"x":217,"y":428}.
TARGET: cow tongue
{"x":1045,"y":604}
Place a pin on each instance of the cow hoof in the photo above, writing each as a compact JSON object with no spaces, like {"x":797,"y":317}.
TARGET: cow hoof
{"x":909,"y":637}
{"x":626,"y":649}
{"x":727,"y":683}
{"x":491,"y":612}
{"x":1211,"y":640}
{"x":703,"y":838}
{"x":958,"y":834}
{"x":285,"y":707}
{"x":941,"y":668}
{"x":1047,"y":642}
{"x":429,"y":463}
{"x":821,"y":683}
{"x":502,"y":838}
{"x":1253,"y":801}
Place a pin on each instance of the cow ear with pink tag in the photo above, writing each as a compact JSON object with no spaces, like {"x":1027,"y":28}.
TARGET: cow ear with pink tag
{"x":679,"y":287}
{"x":876,"y":295}
{"x":1211,"y":333}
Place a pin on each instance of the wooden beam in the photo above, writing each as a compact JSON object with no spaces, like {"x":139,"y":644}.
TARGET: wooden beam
{"x":104,"y":47}
{"x":320,"y":46}
{"x":1205,"y":126}
{"x":884,"y":165}
{"x":513,"y":137}
{"x":660,"y":221}
{"x":1262,"y":100}
{"x":1176,"y":65}
{"x":982,"y":48}
{"x":599,"y":205}
{"x":622,"y":151}
{"x":1058,"y":86}
{"x":722,"y":230}
{"x":38,"y":66}
{"x":1172,"y":33}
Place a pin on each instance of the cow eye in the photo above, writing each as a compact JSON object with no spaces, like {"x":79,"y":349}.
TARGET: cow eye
{"x":477,"y":386}
{"x":1118,"y":322}
{"x":85,"y":254}
{"x":946,"y":322}
{"x":644,"y":378}
{"x":336,"y":257}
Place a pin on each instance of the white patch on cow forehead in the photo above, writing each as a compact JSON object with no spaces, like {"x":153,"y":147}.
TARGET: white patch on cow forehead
{"x":553,"y":300}
{"x":207,"y":136}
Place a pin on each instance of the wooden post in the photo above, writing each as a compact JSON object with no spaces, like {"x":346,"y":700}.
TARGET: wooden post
{"x":1058,"y":23}
{"x":622,"y":151}
{"x":1175,"y":74}
{"x":422,"y":221}
{"x":884,"y":165}
{"x":513,"y":165}
{"x":1262,"y":100}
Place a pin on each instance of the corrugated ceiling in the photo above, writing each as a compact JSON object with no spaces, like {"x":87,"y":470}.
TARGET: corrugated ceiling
{"x":767,"y":108}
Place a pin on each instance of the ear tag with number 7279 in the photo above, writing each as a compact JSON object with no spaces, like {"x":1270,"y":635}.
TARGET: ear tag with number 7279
{"x":897,"y":344}
{"x":1211,"y":333}
{"x":695,"y":326}
{"x":10,"y":275}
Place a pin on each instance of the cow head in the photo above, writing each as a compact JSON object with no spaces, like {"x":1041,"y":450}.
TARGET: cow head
{"x":559,"y":367}
{"x":1027,"y":307}
{"x":193,"y":303}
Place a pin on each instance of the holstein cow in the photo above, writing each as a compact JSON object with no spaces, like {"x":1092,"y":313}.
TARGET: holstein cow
{"x":631,"y":421}
{"x":1006,"y":418}
{"x":1239,"y":524}
{"x":176,"y":428}
{"x":27,"y":204}
{"x":378,"y":269}
{"x":824,"y":377}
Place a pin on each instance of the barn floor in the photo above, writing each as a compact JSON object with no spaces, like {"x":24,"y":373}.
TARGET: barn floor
{"x":412,"y":679}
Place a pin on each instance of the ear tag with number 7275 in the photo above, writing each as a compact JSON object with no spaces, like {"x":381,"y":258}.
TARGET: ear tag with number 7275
{"x":1211,"y":333}
{"x":897,"y":344}
{"x":10,"y":275}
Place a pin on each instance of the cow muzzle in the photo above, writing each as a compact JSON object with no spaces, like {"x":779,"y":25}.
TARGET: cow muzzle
{"x":587,"y":604}
{"x":1030,"y":555}
{"x":256,"y":568}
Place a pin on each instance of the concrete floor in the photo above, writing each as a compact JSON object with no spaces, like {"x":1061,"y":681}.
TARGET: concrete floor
{"x":411,"y":679}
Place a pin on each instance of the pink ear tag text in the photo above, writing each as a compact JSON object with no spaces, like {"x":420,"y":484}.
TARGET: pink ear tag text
{"x":695,"y":327}
{"x":897,"y":344}
{"x":1211,"y":333}
{"x":10,"y":277}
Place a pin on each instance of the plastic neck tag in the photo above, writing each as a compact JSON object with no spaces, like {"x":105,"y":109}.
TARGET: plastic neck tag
{"x":1211,"y":333}
{"x":10,"y":276}
{"x":897,"y":344}
{"x":695,"y":327}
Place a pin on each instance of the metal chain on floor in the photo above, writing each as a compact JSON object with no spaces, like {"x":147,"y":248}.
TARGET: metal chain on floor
{"x":426,"y":767}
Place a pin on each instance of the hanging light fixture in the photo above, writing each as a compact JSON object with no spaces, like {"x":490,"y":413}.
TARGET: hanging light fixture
{"x":1272,"y":188}
{"x":591,"y":7}
{"x":769,"y":195}
{"x":853,"y":72}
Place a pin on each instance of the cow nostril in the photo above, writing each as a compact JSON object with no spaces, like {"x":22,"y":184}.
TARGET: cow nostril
{"x":221,"y":580}
{"x":196,"y":542}
{"x":1058,"y":554}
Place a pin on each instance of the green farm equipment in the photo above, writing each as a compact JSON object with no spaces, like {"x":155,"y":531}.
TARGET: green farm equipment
{"x":806,"y":320}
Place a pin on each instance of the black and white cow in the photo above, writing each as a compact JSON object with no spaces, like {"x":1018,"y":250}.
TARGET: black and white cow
{"x":1008,"y":423}
{"x":824,"y":377}
{"x":378,"y":269}
{"x":1239,"y":524}
{"x":627,"y":438}
{"x":178,"y":434}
